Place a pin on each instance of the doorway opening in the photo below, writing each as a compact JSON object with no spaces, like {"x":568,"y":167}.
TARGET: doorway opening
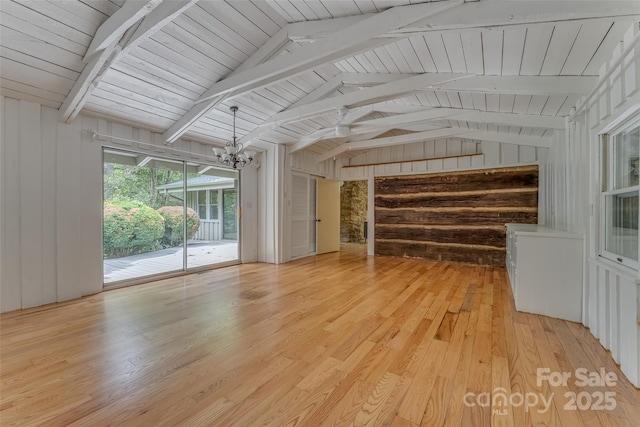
{"x":353,"y":216}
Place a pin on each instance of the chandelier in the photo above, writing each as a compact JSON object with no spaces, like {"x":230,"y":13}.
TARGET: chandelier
{"x":233,"y":154}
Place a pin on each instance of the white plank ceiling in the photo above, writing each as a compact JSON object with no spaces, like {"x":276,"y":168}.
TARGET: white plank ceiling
{"x":154,"y":61}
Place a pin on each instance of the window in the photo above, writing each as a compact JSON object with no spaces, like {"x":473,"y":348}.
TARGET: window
{"x":620,"y":155}
{"x":209,"y":207}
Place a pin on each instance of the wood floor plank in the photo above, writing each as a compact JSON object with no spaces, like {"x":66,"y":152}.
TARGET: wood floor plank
{"x":337,"y":339}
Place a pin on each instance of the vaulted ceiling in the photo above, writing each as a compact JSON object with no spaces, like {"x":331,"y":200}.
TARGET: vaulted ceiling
{"x":390,"y":71}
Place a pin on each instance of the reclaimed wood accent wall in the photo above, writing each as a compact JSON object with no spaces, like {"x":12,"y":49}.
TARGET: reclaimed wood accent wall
{"x":456,"y":216}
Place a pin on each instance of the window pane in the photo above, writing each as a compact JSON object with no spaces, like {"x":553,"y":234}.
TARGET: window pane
{"x":626,"y":147}
{"x":622,"y":224}
{"x":213,"y":213}
{"x":214,"y":197}
{"x":202,"y":197}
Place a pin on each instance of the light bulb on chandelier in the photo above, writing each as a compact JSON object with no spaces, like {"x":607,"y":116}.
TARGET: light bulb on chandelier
{"x":233,"y":153}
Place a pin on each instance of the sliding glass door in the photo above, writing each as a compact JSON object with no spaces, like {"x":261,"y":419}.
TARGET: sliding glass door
{"x":163,"y":216}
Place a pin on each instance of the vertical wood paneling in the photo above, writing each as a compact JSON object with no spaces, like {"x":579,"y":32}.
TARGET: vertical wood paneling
{"x":631,"y":64}
{"x":68,"y":208}
{"x":613,"y":308}
{"x":510,"y":154}
{"x":2,"y":190}
{"x":30,"y":204}
{"x":611,"y":294}
{"x":49,"y":202}
{"x":91,"y":196}
{"x":11,"y":293}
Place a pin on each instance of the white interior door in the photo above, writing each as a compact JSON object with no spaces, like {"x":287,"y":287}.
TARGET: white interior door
{"x":303,"y":215}
{"x":328,"y":216}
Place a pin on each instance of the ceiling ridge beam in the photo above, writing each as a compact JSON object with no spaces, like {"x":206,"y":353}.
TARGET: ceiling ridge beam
{"x":393,"y":140}
{"x":340,"y":44}
{"x":322,"y":91}
{"x":512,"y":85}
{"x":347,"y":79}
{"x":505,"y":138}
{"x":363,"y":97}
{"x":467,"y":115}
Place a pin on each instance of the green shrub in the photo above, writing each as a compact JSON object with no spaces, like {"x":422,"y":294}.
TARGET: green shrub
{"x":118,"y":231}
{"x":173,"y":221}
{"x":131,"y":228}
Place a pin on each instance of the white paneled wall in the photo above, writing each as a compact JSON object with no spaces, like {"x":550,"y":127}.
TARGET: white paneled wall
{"x":611,"y":300}
{"x":51,"y":201}
{"x":417,"y":151}
{"x":401,"y":160}
{"x":270,"y":204}
{"x":307,"y":162}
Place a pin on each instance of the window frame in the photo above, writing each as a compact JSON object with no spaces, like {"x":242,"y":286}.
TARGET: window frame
{"x":608,"y":170}
{"x":207,"y":205}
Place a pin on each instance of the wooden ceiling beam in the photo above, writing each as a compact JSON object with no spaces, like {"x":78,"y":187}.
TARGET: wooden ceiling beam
{"x":481,"y":15}
{"x":526,"y":85}
{"x":267,"y":51}
{"x":393,"y":140}
{"x":112,"y":30}
{"x":362,"y":97}
{"x":431,"y":134}
{"x":499,"y":13}
{"x":421,"y":119}
{"x":166,"y":12}
{"x":113,"y":39}
{"x":340,"y":44}
{"x":348,"y":79}
{"x":466,"y":115}
{"x":409,"y":121}
{"x":321,"y":92}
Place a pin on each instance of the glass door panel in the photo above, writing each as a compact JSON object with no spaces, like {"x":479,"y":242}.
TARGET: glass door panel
{"x":141,"y":235}
{"x":212,"y":236}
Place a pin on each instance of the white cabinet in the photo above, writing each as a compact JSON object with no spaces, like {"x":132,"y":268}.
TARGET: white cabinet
{"x":545,"y":270}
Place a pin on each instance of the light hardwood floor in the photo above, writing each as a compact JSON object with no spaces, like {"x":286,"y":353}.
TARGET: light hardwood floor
{"x":337,"y":339}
